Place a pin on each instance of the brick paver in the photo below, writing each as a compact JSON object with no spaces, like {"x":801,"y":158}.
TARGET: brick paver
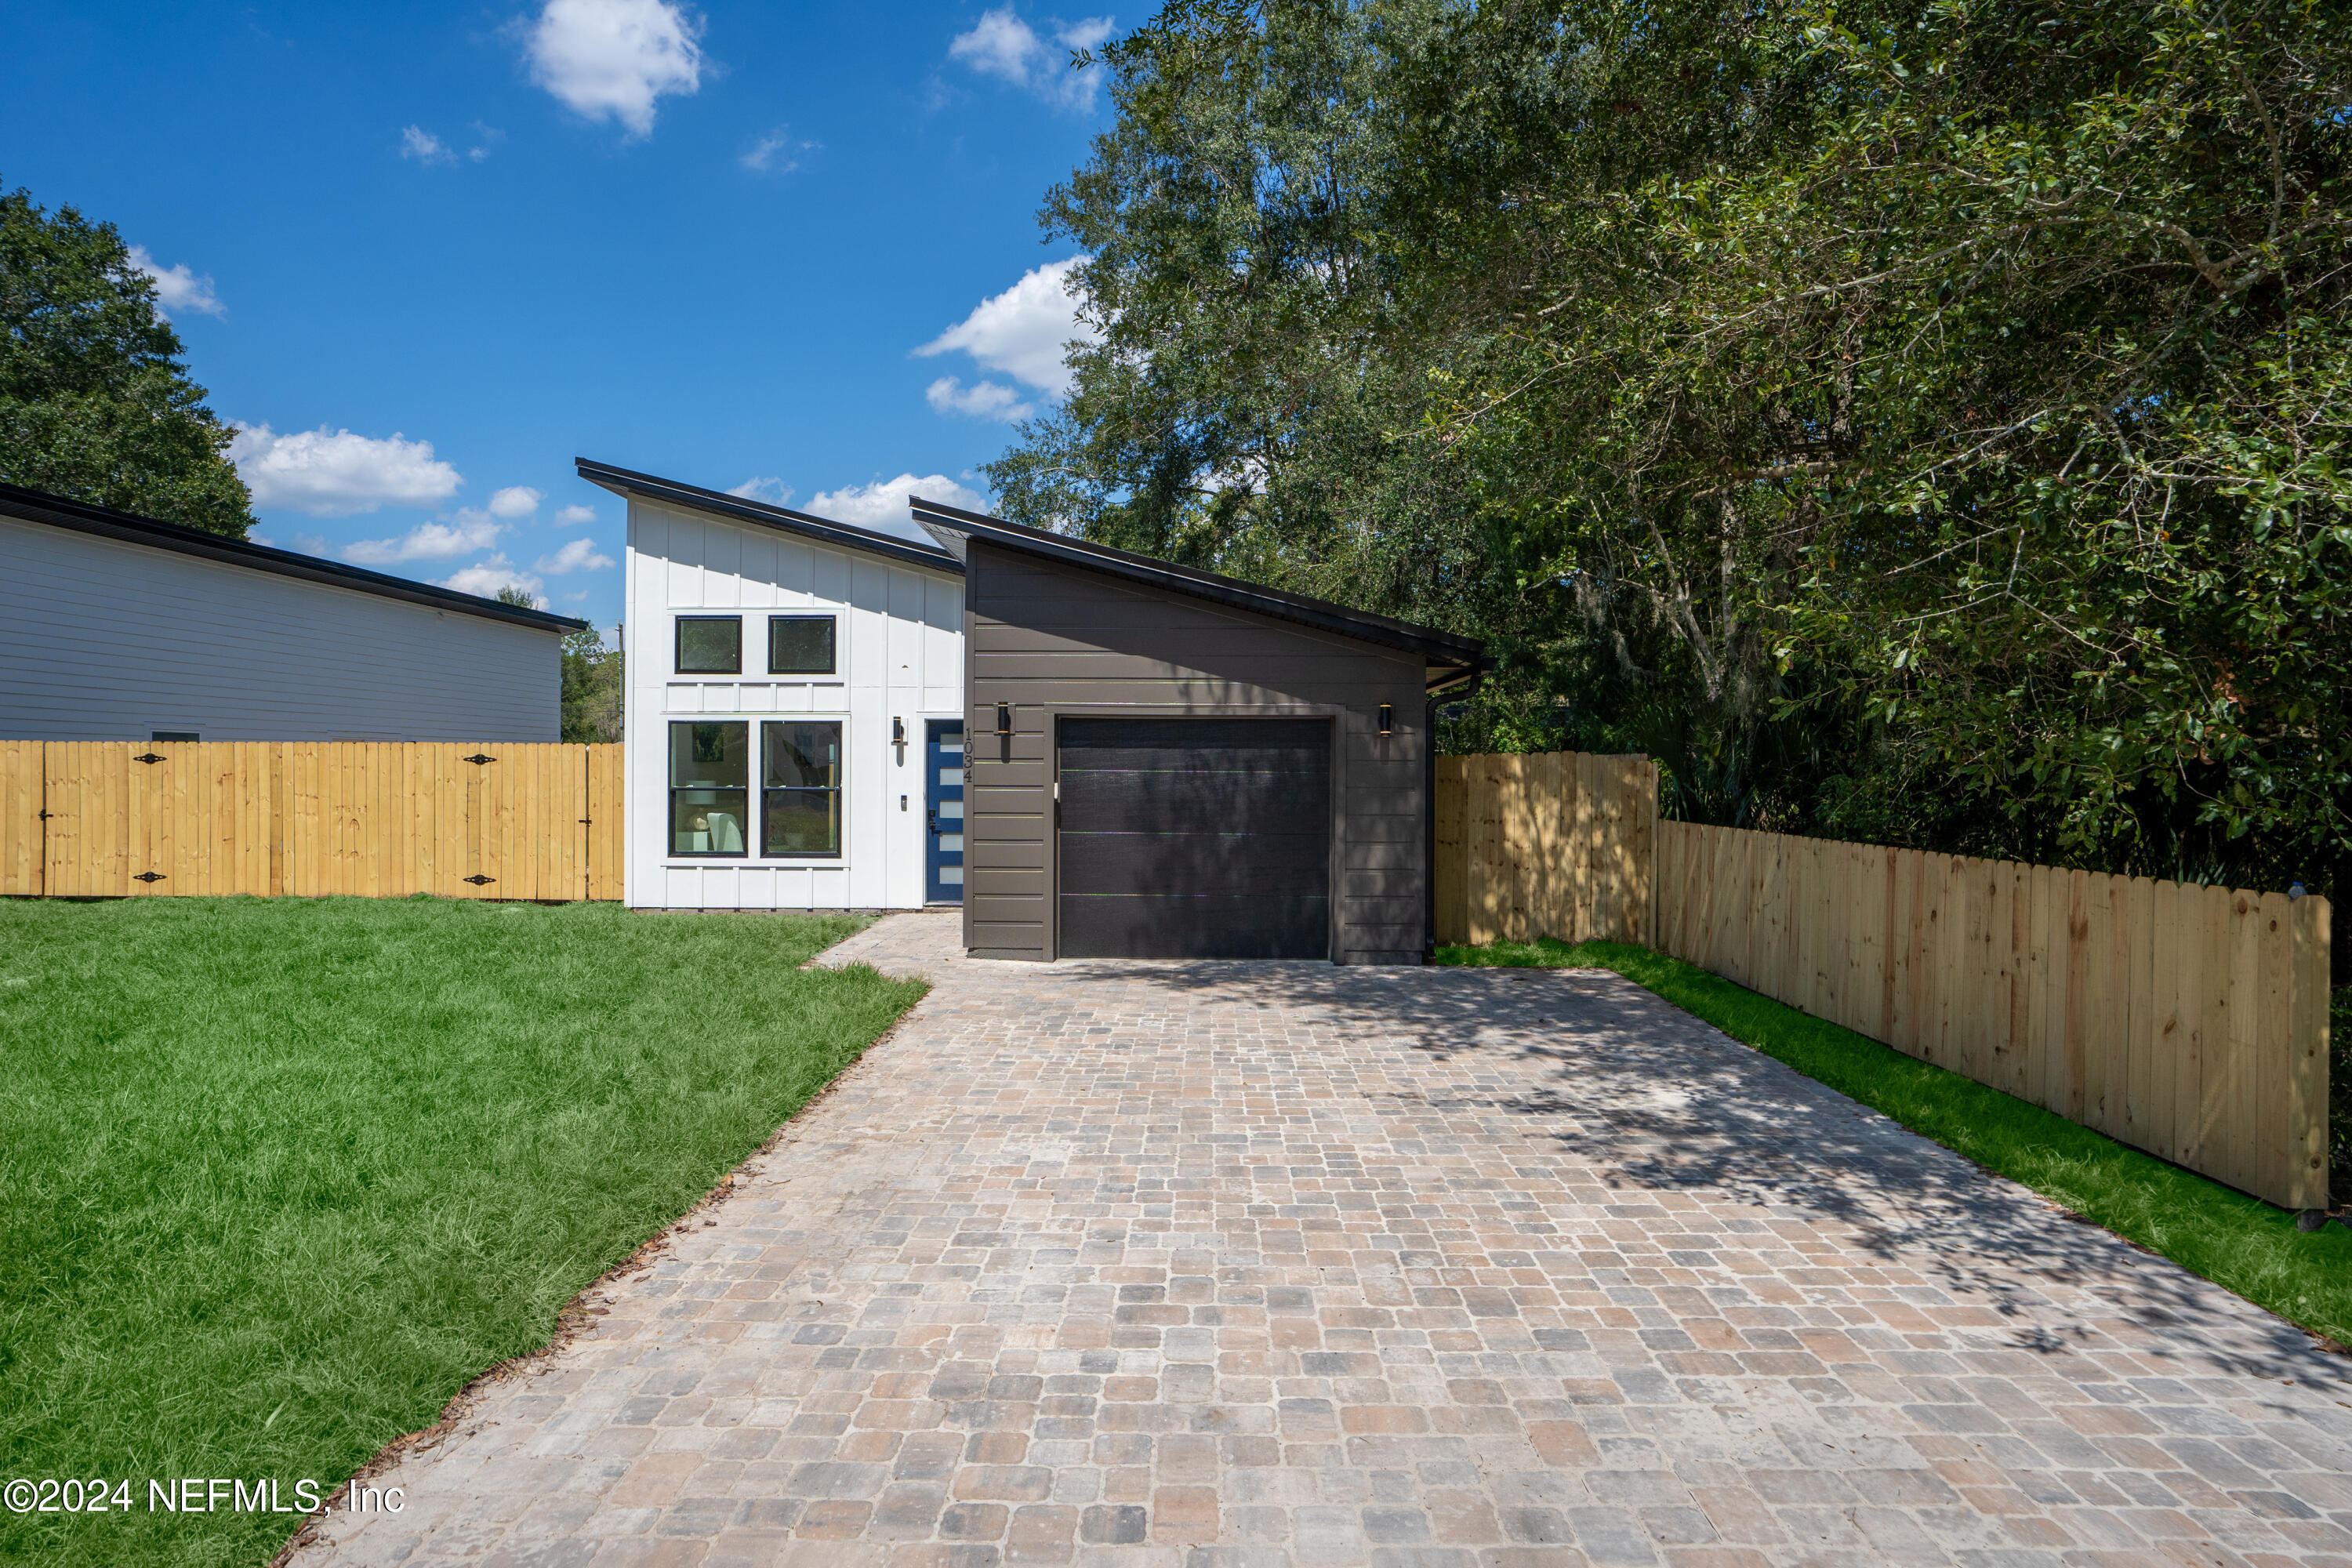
{"x":1239,"y":1264}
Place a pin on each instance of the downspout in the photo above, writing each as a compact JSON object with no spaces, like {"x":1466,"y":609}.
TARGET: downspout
{"x":1434,"y":699}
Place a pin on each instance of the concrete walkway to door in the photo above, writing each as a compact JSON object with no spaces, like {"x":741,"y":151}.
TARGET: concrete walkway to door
{"x":1226,"y":1264}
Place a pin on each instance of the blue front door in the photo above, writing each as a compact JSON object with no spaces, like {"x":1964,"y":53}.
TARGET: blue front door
{"x":943,"y":805}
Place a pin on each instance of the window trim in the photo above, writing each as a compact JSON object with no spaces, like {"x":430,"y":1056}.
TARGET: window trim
{"x":669,"y":766}
{"x":677,"y":646}
{"x":833,"y":668}
{"x":840,"y":791}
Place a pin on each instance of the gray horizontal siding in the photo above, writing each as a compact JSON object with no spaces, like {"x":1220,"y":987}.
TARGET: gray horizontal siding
{"x":105,"y":640}
{"x":1041,"y":636}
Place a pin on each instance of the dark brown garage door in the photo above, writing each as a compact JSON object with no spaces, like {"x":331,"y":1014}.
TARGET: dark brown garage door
{"x":1195,"y":838}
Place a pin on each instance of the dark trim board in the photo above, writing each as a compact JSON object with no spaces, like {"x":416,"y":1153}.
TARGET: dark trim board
{"x":103,"y":522}
{"x":627,"y":482}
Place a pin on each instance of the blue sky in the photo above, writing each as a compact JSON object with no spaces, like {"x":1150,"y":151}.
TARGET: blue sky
{"x":710,"y":242}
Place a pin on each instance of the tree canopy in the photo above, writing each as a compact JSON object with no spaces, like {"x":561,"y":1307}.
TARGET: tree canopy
{"x":1924,"y":423}
{"x":95,"y":401}
{"x":592,"y":705}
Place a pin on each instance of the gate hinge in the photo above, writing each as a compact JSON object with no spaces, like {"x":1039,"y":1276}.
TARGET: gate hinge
{"x":479,"y":758}
{"x":47,"y":814}
{"x":147,"y":757}
{"x":148,"y":876}
{"x":479,"y":880}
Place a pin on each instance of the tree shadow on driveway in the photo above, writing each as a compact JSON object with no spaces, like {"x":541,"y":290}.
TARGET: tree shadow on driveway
{"x":1649,"y":1099}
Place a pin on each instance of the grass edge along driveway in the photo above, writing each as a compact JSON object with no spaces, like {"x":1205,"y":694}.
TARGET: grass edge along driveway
{"x":2237,"y":1241}
{"x":279,"y":1177}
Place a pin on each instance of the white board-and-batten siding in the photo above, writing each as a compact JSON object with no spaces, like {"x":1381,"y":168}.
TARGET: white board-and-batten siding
{"x":104,"y":641}
{"x":898,"y":655}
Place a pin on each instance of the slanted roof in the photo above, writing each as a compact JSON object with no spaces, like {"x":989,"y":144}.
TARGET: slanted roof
{"x":627,"y":482}
{"x":1446,"y":657}
{"x":58,"y":512}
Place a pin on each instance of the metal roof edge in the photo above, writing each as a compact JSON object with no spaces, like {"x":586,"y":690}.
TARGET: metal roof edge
{"x":628,"y":481}
{"x":81,"y":517}
{"x":943,"y":522}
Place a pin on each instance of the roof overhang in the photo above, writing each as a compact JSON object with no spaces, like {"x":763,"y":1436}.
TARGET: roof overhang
{"x":651,"y":487}
{"x":1447,"y":660}
{"x":58,"y":512}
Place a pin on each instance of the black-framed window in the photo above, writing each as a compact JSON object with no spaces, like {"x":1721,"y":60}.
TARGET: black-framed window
{"x":799,"y":645}
{"x":709,"y":787}
{"x":711,"y":645}
{"x":800,"y":786}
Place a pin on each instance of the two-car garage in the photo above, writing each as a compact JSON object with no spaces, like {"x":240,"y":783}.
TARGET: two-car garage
{"x":1165,"y":763}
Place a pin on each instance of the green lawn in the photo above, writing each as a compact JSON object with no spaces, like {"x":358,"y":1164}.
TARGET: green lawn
{"x":2236,"y":1241}
{"x":277,"y":1177}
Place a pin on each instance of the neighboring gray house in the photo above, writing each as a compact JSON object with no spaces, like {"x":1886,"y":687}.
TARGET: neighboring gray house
{"x":1170,"y":765}
{"x":115,"y":627}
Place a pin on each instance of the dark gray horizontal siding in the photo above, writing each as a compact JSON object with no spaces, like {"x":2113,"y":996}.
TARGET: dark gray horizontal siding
{"x":1331,"y":672}
{"x":1041,"y":637}
{"x":1178,"y":643}
{"x":1372,"y":884}
{"x":1189,"y":694}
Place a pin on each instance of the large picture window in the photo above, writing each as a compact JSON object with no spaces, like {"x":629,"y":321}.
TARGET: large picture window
{"x":800,"y":794}
{"x":711,"y":645}
{"x":799,"y":645}
{"x":709,"y":787}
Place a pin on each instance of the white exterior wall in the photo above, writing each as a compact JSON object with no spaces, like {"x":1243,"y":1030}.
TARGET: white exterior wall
{"x":102,"y":640}
{"x":899,"y":653}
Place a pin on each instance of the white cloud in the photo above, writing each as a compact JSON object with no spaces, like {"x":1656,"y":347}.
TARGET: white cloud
{"x":486,"y":577}
{"x":575,"y":516}
{"x":470,"y":530}
{"x":577,"y":555}
{"x":333,"y":473}
{"x":421,"y":144}
{"x":176,"y":288}
{"x":882,"y":505}
{"x":515,"y":500}
{"x":1022,"y":331}
{"x":615,"y":58}
{"x":981,"y":400}
{"x":1004,"y":46}
{"x":777,"y":152}
{"x":772,"y":489}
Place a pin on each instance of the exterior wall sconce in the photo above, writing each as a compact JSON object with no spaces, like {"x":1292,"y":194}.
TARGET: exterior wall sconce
{"x":1388,"y":717}
{"x":897,"y":731}
{"x":1005,"y":720}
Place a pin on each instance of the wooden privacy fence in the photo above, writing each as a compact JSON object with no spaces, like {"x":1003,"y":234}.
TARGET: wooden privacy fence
{"x":1553,"y":843}
{"x":378,"y":819}
{"x":2189,"y":1022}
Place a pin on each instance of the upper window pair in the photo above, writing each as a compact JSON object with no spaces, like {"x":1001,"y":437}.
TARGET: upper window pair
{"x":797,"y":645}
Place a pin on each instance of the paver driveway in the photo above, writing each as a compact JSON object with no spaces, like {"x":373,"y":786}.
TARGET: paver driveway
{"x":1229,"y":1263}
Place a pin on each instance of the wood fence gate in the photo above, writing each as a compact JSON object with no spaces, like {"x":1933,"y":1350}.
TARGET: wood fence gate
{"x":376,"y":819}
